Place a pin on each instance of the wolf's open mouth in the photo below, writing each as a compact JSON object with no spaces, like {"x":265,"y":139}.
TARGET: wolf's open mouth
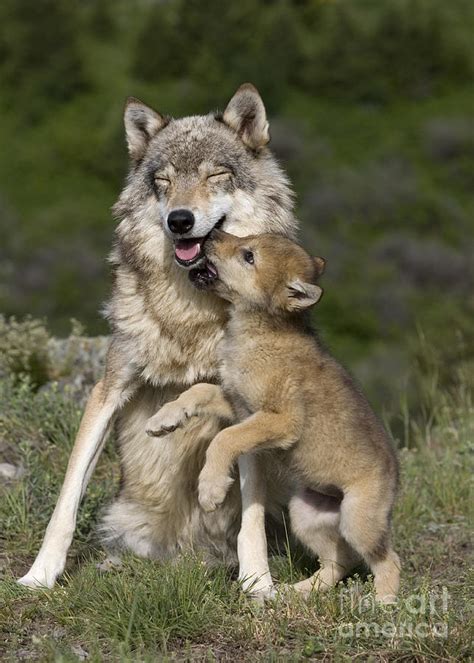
{"x":188,"y":252}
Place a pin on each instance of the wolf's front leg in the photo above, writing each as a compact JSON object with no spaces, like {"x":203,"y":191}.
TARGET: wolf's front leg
{"x":254,"y":573}
{"x":106,"y":398}
{"x":200,"y":399}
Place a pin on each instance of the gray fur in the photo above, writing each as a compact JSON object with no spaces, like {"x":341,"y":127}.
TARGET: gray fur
{"x":165,"y":331}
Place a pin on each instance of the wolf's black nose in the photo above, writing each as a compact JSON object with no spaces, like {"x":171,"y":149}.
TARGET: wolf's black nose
{"x":180,"y":221}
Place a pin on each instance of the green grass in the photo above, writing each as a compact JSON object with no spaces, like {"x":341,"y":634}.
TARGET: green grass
{"x":149,"y":611}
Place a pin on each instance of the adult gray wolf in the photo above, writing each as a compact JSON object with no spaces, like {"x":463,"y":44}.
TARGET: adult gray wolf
{"x":186,"y":177}
{"x":287,"y":393}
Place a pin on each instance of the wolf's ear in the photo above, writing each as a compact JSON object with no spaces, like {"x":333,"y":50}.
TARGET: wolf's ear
{"x":320,"y":265}
{"x":245,"y":114}
{"x":141,"y":124}
{"x":301,"y":295}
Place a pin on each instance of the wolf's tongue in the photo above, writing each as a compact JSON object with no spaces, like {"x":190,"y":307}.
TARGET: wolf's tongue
{"x":187,"y":249}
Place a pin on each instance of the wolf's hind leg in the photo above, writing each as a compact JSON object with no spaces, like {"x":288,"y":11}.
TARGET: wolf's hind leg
{"x":315,"y":521}
{"x":201,"y":399}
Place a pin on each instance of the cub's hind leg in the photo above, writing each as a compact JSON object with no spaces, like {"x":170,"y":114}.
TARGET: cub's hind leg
{"x":365,"y":524}
{"x":315,"y":519}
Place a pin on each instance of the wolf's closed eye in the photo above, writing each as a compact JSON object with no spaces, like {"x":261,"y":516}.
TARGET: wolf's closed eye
{"x":221,"y":175}
{"x":163,"y":181}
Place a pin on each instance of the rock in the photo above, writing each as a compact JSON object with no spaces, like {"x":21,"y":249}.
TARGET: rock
{"x":111,"y":563}
{"x":80,"y":652}
{"x":10,"y":472}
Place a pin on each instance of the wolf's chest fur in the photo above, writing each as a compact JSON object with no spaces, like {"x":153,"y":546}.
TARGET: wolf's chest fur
{"x":172,"y":331}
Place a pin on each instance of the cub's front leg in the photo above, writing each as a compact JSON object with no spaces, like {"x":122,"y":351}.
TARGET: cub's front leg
{"x":200,"y":399}
{"x":262,"y":430}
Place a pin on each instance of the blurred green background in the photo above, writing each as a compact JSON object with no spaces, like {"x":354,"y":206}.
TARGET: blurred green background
{"x":372,"y":113}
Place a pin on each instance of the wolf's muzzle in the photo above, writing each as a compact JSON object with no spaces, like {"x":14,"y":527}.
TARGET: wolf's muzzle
{"x":189,"y":251}
{"x":180,"y":221}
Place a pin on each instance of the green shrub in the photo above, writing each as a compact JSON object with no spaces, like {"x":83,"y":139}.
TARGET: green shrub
{"x":401,"y":48}
{"x":23,"y":348}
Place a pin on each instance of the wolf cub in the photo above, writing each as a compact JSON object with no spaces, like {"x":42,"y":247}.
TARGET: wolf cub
{"x":286,"y":392}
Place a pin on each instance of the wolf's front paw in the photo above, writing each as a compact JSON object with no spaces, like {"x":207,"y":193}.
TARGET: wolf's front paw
{"x":261,"y":596}
{"x":41,"y":576}
{"x":171,"y":416}
{"x":213,"y":489}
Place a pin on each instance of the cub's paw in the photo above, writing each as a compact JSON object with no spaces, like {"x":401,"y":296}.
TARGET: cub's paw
{"x":171,"y":416}
{"x":212,"y":489}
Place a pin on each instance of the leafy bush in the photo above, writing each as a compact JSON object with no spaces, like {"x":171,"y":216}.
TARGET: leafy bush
{"x":23,"y":348}
{"x":27,"y":351}
{"x":449,"y":138}
{"x":401,"y":49}
{"x":41,"y":60}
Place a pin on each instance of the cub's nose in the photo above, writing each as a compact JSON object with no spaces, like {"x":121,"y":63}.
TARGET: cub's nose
{"x":180,"y":221}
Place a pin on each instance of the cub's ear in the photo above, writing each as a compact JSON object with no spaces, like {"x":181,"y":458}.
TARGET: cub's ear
{"x":141,"y":124}
{"x":245,"y":114}
{"x":320,"y":265}
{"x":302,"y":295}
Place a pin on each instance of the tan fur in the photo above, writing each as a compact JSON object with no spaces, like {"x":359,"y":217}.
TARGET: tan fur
{"x":165,"y":333}
{"x":289,"y":394}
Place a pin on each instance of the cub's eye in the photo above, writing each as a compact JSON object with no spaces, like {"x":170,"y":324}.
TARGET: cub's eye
{"x":162,"y":181}
{"x":248,"y":257}
{"x":221,"y":175}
